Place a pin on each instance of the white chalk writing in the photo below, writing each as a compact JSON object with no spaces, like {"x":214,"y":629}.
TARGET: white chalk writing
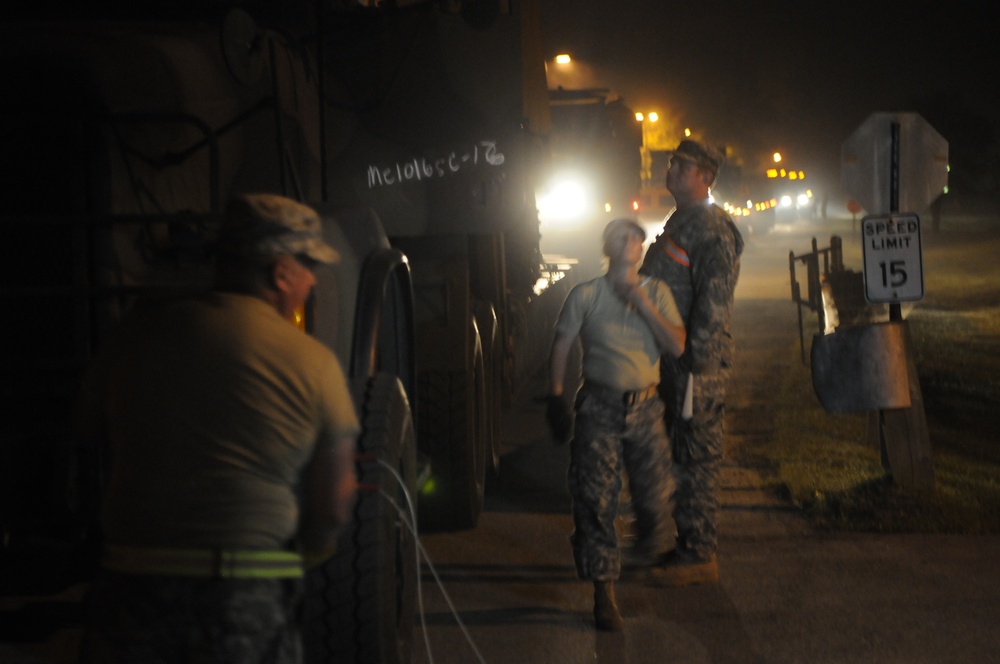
{"x":424,"y":168}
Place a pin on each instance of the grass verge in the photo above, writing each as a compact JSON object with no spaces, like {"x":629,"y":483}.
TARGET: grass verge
{"x":823,"y":463}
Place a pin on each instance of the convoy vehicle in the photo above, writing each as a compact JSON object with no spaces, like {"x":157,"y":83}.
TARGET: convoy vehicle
{"x":779,"y":196}
{"x":416,"y":129}
{"x":594,"y":173}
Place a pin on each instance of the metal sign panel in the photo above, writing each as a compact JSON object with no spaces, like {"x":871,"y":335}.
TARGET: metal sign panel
{"x":866,"y":163}
{"x":858,"y":369}
{"x":894,"y":270}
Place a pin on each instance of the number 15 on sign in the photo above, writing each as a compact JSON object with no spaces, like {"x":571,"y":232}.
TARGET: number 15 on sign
{"x":893,"y":260}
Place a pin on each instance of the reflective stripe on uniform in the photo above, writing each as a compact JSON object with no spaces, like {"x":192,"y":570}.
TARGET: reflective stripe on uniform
{"x":675,"y":252}
{"x":207,"y":563}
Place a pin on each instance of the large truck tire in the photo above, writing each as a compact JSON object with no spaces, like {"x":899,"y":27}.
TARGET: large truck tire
{"x":452,"y":423}
{"x":360,"y":603}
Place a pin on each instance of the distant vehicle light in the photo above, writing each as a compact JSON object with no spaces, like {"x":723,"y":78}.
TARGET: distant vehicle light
{"x":785,"y":201}
{"x":803,"y":200}
{"x":607,"y":207}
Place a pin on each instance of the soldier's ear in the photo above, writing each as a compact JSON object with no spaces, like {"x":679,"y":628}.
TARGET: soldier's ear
{"x":281,"y":273}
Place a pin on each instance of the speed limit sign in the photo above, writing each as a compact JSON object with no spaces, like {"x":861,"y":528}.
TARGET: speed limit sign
{"x":894,"y":270}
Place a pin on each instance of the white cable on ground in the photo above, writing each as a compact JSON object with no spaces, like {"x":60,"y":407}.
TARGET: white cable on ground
{"x":411,"y":524}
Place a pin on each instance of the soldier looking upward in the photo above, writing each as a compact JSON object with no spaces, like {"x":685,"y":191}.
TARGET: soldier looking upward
{"x":698,"y":256}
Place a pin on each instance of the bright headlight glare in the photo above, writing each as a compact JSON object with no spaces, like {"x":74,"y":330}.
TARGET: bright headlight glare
{"x":564,"y":202}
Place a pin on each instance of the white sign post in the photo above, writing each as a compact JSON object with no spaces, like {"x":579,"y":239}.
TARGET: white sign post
{"x":893,"y":259}
{"x":897,"y":160}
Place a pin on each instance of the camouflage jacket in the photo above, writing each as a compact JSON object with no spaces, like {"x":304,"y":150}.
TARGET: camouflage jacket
{"x":698,"y":255}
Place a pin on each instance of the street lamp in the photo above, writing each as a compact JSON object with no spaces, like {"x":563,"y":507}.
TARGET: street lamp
{"x":570,"y":73}
{"x":646,"y":120}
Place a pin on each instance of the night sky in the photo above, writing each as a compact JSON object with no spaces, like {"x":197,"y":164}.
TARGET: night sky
{"x":769,"y":76}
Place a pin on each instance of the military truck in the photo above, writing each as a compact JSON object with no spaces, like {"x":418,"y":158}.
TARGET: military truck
{"x":416,"y":130}
{"x":596,"y":161}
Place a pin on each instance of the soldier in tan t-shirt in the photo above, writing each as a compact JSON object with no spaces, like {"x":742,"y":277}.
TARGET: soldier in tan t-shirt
{"x":232,"y":440}
{"x":624,"y":323}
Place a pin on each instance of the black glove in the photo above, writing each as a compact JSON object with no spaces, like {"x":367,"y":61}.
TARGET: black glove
{"x":559,"y":418}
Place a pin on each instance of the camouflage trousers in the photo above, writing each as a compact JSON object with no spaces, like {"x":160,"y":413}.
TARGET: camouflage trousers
{"x":154,"y":619}
{"x":697,"y":448}
{"x":608,"y":436}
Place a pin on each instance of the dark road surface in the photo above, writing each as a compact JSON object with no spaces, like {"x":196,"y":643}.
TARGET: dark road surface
{"x":787,"y":593}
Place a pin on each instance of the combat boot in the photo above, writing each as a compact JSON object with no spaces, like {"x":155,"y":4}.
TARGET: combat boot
{"x":606,"y":616}
{"x":678,"y":569}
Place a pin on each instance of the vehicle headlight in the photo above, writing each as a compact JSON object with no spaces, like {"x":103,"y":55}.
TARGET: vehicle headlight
{"x":565,"y":202}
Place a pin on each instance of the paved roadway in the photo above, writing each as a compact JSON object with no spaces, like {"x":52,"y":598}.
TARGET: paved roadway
{"x":787,"y":593}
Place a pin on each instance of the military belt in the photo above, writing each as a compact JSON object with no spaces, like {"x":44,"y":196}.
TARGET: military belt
{"x":207,"y":563}
{"x":627,"y":399}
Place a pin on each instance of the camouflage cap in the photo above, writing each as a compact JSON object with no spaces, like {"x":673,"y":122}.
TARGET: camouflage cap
{"x":704,"y":156}
{"x":264,"y":225}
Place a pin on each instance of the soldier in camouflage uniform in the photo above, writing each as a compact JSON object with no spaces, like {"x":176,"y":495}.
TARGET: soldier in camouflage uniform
{"x":232,"y":440}
{"x":625,"y":324}
{"x":698,"y":256}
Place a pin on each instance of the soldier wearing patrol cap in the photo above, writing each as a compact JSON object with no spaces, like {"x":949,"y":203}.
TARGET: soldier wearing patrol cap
{"x":232,"y":435}
{"x":624,"y":323}
{"x":698,"y":256}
